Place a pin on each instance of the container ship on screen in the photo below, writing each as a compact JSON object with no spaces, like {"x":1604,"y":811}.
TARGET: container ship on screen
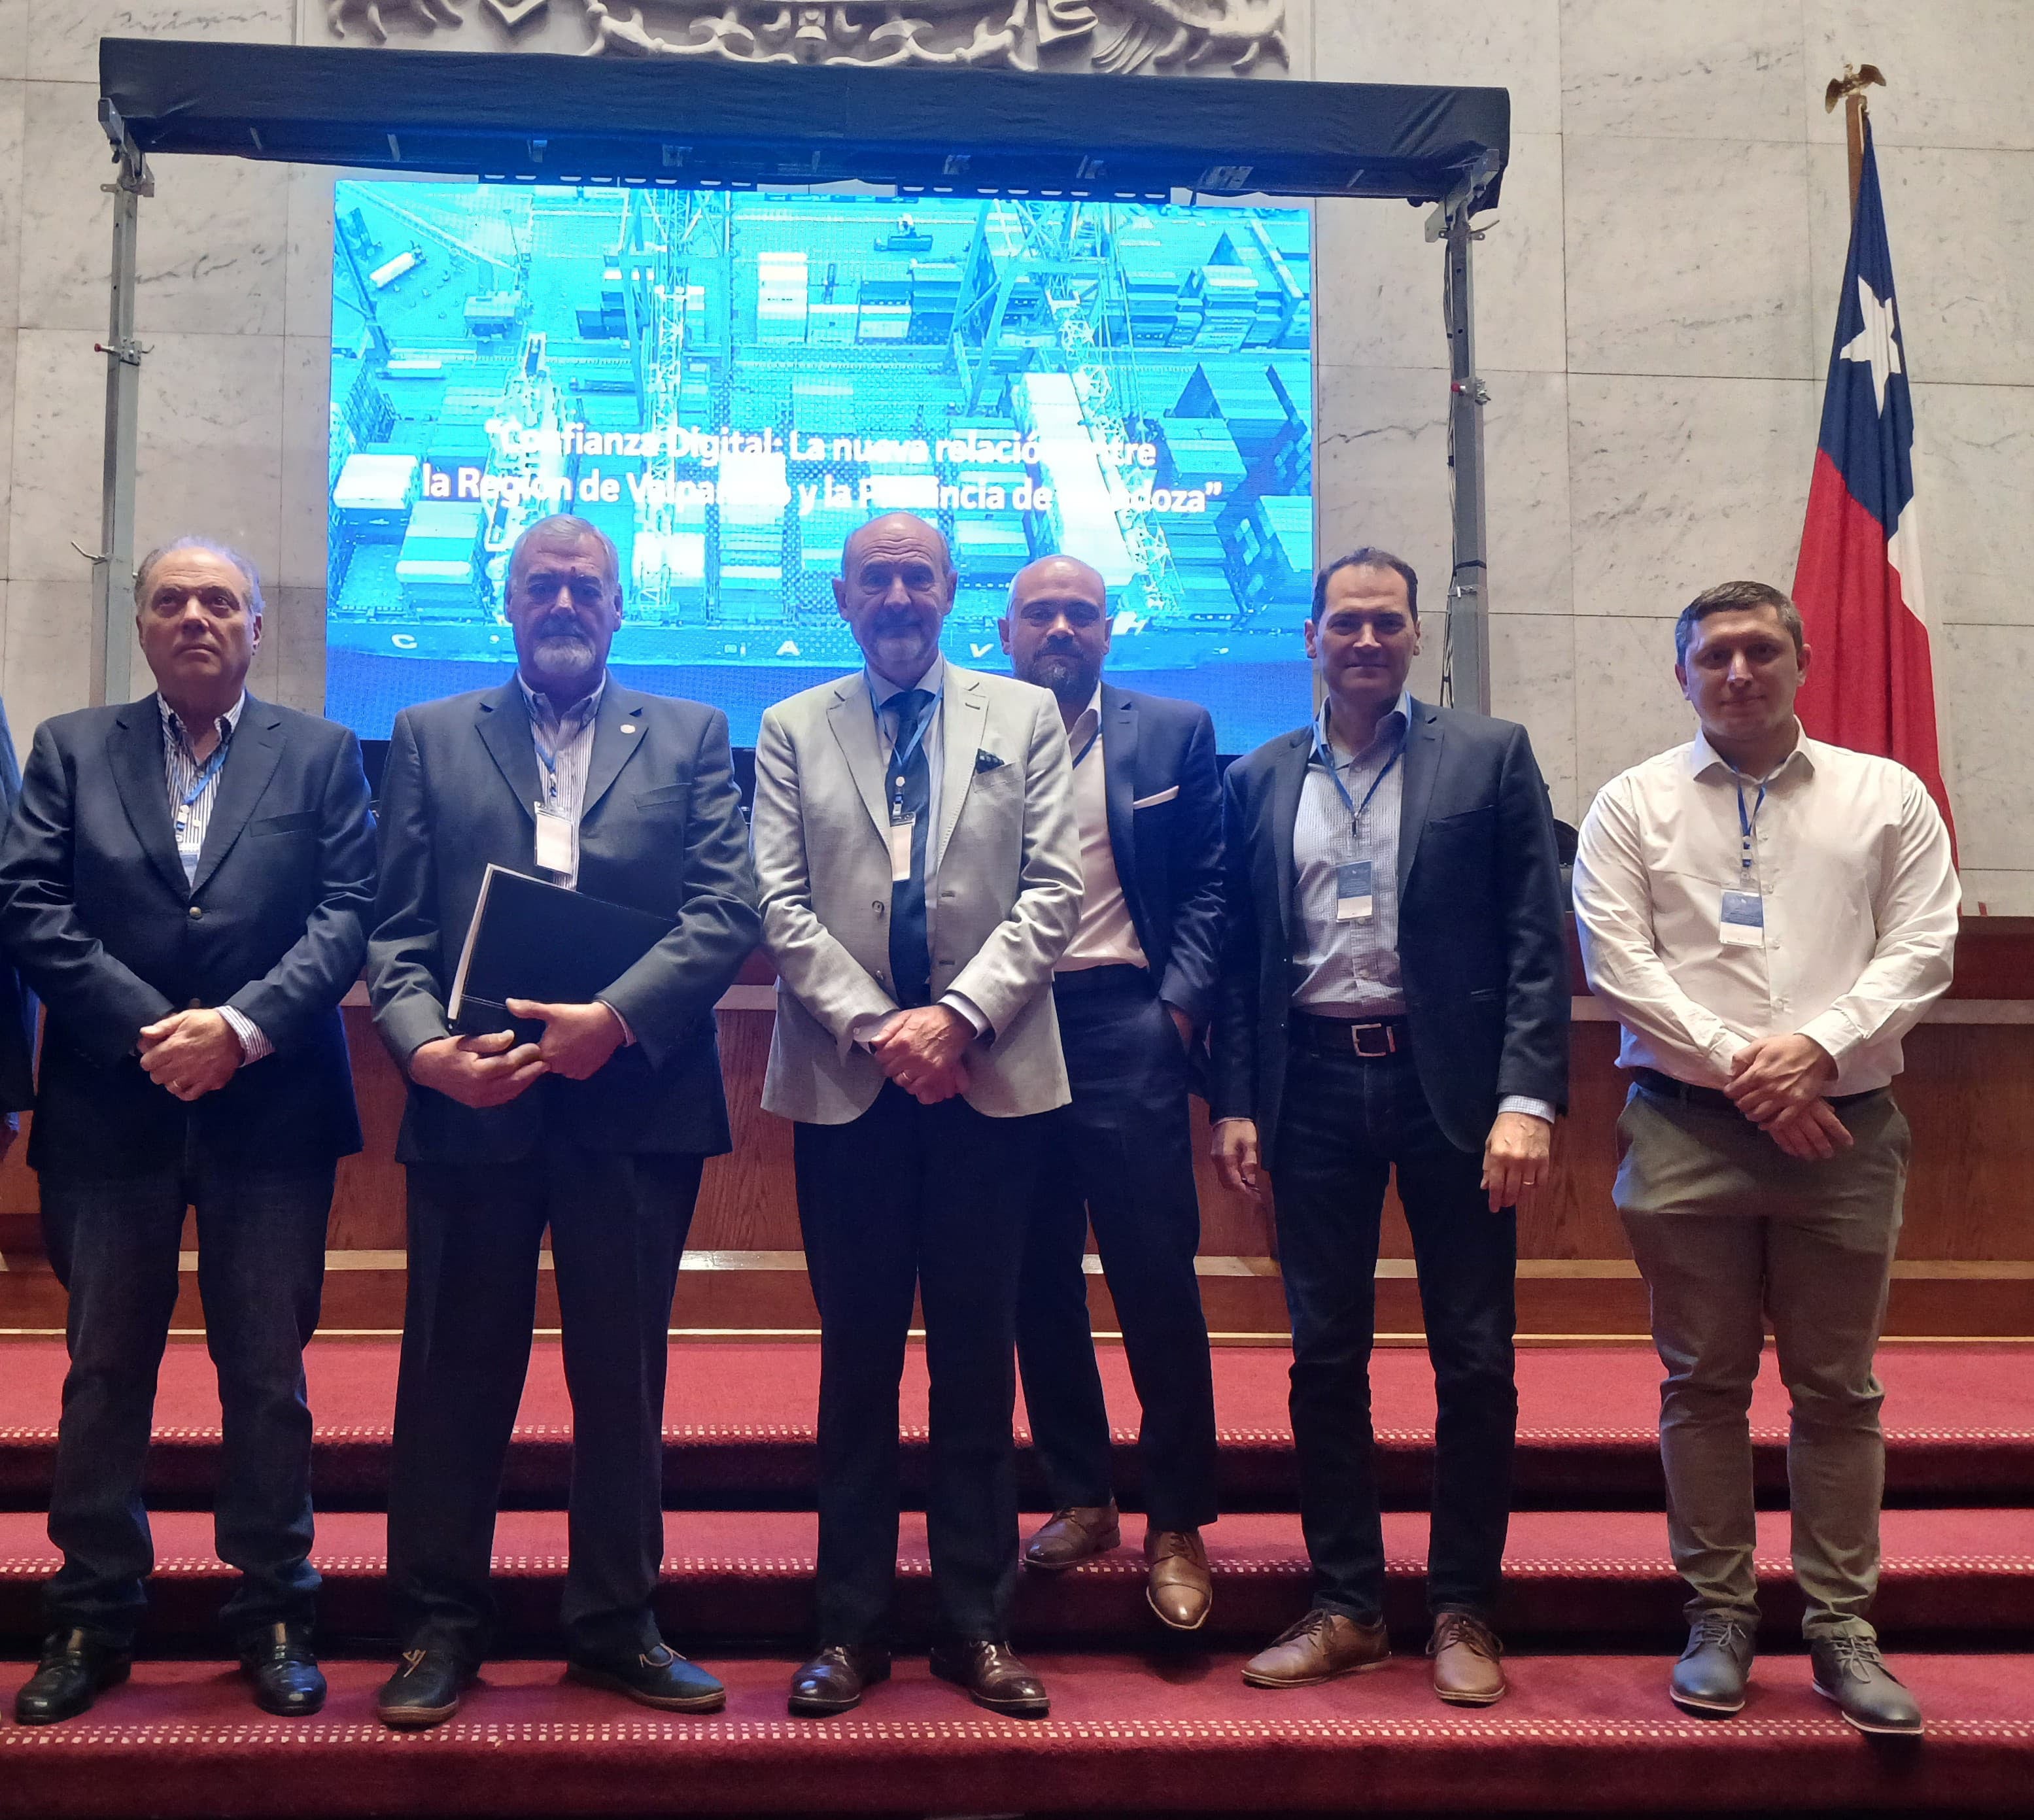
{"x":728,"y":383}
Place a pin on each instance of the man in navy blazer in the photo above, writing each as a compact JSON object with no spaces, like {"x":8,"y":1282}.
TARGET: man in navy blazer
{"x":1393,"y":998}
{"x":186,"y":884}
{"x":1134,"y":991}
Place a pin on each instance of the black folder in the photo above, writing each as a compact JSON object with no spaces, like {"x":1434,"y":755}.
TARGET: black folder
{"x":531,"y":939}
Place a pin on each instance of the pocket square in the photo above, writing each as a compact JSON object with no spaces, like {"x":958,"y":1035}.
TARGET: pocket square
{"x":988,"y":761}
{"x":1153,"y":802}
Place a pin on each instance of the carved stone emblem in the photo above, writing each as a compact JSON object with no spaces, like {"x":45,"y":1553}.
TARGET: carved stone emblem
{"x":1113,"y":37}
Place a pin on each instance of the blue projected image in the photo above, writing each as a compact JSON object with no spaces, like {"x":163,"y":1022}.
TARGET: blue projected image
{"x":727,"y":383}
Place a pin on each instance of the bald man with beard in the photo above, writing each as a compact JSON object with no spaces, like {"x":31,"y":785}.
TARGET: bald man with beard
{"x":920,"y":869}
{"x":1133,"y":992}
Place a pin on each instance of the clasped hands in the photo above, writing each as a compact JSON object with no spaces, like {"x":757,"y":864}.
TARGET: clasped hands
{"x":492,"y":1070}
{"x":925,"y":1051}
{"x":1776,"y":1083}
{"x":190,"y":1053}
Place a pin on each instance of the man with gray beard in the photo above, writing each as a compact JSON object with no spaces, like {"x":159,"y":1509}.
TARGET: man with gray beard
{"x":597,"y":1131}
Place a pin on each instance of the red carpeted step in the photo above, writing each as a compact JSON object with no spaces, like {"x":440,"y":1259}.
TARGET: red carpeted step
{"x":1960,"y":1424}
{"x":1580,"y":1733}
{"x":743,"y":1576}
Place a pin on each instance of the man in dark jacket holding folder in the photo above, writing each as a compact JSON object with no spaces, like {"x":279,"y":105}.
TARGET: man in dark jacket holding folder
{"x":597,"y":1131}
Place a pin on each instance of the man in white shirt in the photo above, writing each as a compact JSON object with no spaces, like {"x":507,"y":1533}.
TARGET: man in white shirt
{"x":1132,"y":993}
{"x":1768,"y":916}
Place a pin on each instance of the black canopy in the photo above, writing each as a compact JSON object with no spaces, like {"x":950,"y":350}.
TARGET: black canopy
{"x":578,"y":120}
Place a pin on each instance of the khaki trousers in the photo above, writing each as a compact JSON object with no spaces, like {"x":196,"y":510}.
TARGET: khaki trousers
{"x":1731,"y":1232}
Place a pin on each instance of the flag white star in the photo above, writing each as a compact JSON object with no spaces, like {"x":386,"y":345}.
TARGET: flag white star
{"x":1874,"y":344}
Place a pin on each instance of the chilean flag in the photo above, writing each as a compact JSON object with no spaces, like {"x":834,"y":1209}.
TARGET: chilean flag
{"x":1871,"y":685}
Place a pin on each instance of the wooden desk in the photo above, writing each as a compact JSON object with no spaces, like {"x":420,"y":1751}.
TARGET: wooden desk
{"x":1966,"y":1265}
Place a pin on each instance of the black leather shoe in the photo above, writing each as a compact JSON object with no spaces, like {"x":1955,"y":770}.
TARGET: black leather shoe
{"x":77,"y":1666}
{"x":1708,"y":1680}
{"x":278,"y":1659}
{"x":1850,"y":1670}
{"x":835,"y":1680}
{"x":659,"y":1677}
{"x":424,"y":1691}
{"x":993,"y":1678}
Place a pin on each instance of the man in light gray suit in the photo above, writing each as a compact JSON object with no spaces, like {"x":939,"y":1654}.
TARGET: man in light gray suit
{"x":920,"y":868}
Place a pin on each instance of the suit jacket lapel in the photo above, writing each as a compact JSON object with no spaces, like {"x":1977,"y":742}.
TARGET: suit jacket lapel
{"x":1287,"y":781}
{"x":503,"y":722}
{"x":1423,"y":760}
{"x":134,"y":751}
{"x":853,"y":718}
{"x":1119,"y":775}
{"x":250,"y":762}
{"x":612,"y":747}
{"x":965,"y":716}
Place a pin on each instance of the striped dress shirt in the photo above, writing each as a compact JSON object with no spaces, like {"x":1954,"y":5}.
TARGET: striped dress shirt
{"x":190,"y":817}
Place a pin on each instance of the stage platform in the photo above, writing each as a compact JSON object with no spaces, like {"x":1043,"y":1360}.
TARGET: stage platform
{"x":1143,"y":1720}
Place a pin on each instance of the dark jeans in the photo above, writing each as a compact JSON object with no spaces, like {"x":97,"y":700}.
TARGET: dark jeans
{"x":1347,"y":1124}
{"x":1120,"y":1154}
{"x":261,"y":1271}
{"x":933,"y":1198}
{"x":618,"y":1225}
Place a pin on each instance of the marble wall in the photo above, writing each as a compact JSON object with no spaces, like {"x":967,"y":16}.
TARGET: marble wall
{"x":1655,"y":297}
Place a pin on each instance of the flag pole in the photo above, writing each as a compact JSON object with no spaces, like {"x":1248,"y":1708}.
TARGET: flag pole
{"x":1849,"y":89}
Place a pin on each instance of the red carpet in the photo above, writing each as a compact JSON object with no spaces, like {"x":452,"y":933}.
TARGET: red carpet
{"x":1143,"y":1721}
{"x":1579,"y":1733}
{"x":744,"y":1578}
{"x":740,"y":1416}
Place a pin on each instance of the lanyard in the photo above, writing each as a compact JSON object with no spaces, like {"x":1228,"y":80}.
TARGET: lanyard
{"x":205,"y":776}
{"x":1747,"y":824}
{"x":1090,"y":747}
{"x":1325,"y":754}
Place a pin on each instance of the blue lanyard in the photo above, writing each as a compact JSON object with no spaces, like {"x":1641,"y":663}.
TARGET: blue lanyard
{"x":1090,"y":747}
{"x":1325,"y":754}
{"x":205,"y":777}
{"x":1747,"y":823}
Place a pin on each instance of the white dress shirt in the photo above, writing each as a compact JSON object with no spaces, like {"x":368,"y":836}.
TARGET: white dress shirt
{"x":1106,"y":938}
{"x":564,"y":743}
{"x":1852,"y":862}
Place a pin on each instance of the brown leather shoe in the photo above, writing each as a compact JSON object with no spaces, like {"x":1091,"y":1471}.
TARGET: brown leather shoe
{"x":993,"y":1678}
{"x":1322,"y":1645}
{"x":1073,"y":1535}
{"x":835,"y":1680}
{"x":1179,"y":1587}
{"x":1465,"y":1651}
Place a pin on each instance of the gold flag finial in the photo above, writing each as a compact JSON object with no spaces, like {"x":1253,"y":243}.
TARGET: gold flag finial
{"x":1852,"y":82}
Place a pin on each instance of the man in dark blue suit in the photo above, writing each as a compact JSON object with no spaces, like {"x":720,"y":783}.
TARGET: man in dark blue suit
{"x":597,"y":1133}
{"x":186,"y":884}
{"x":1393,"y":997}
{"x":1133,"y":992}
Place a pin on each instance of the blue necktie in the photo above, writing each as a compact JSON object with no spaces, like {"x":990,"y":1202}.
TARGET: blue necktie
{"x":909,"y":790}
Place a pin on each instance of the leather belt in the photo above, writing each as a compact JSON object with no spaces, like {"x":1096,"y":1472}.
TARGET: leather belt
{"x":1711,"y":1099}
{"x":1370,"y":1039}
{"x":1122,"y":978}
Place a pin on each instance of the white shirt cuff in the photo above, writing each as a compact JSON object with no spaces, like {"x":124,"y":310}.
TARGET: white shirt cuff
{"x":628,"y":1035}
{"x":1525,"y":1103}
{"x":253,"y":1045}
{"x":962,"y":1002}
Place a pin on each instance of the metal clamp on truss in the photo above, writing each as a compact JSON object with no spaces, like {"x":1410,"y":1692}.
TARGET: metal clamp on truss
{"x":135,"y":179}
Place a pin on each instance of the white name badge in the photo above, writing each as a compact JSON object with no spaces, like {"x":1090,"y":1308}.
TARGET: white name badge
{"x":1355,"y":902}
{"x":900,"y":849}
{"x":554,"y":842}
{"x":1743,"y":922}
